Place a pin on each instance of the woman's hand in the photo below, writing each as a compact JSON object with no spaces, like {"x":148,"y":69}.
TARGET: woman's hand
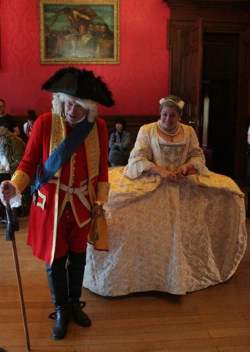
{"x":185,"y":170}
{"x":7,"y":191}
{"x":163,"y":172}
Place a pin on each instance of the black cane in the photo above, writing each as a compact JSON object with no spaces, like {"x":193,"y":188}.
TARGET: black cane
{"x":11,"y":227}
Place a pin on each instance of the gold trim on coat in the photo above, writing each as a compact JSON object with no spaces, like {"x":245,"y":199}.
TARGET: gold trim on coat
{"x":58,"y":133}
{"x":102,"y":191}
{"x":21,"y":180}
{"x":93,"y":160}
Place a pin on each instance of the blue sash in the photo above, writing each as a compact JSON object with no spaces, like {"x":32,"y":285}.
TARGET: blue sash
{"x":62,"y":153}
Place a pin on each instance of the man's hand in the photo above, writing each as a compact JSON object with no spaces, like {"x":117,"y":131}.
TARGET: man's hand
{"x":7,"y":191}
{"x":97,"y":209}
{"x":91,"y":107}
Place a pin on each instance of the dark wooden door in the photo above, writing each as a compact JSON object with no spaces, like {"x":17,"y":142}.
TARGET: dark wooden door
{"x":220,"y":74}
{"x":220,"y":17}
{"x":243,"y":116}
{"x":191,"y":70}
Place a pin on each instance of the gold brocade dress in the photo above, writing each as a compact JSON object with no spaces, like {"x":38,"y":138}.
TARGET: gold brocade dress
{"x":167,"y":236}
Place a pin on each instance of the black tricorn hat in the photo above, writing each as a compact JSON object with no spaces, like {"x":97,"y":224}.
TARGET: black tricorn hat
{"x":81,"y":84}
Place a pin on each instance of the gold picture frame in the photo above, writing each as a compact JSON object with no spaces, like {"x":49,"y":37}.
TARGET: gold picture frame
{"x":79,"y":31}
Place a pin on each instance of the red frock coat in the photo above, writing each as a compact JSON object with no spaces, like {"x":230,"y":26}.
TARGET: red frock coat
{"x":76,"y":173}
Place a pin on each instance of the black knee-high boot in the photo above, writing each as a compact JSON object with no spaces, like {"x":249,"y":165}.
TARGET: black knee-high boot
{"x":57,"y":278}
{"x":76,"y":267}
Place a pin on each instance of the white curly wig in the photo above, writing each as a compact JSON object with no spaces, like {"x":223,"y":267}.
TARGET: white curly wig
{"x":59,"y":99}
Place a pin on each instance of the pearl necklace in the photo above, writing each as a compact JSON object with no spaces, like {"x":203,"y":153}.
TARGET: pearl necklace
{"x":171,"y":135}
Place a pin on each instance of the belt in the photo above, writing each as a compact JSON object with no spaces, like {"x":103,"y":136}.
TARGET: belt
{"x":80,"y":192}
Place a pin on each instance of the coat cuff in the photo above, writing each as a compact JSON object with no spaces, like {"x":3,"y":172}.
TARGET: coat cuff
{"x":102,"y":191}
{"x":21,"y":180}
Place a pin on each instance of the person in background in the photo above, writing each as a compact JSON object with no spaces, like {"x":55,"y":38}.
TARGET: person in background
{"x":11,"y":147}
{"x":27,"y":126}
{"x":70,"y":188}
{"x":25,"y":134}
{"x":17,"y":131}
{"x":7,"y":120}
{"x":11,"y":152}
{"x":119,"y":142}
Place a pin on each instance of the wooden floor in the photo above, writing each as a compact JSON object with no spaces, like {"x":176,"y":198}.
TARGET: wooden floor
{"x":216,"y":319}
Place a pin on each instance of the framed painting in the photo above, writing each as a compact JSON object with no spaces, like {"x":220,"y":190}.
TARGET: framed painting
{"x":79,"y":31}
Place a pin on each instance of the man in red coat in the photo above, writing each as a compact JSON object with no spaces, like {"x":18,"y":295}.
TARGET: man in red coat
{"x":68,"y":151}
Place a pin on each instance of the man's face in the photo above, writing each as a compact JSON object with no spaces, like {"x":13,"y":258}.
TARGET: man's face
{"x":119,"y":127}
{"x":2,"y":107}
{"x":74,"y":112}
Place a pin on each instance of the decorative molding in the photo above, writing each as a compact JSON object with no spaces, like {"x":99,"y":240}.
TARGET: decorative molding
{"x":209,"y":3}
{"x":240,"y":8}
{"x":225,"y":11}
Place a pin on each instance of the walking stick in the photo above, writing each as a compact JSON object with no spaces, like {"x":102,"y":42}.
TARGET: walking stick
{"x":11,"y":227}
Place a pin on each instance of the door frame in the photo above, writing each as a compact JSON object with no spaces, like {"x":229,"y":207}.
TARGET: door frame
{"x":236,"y":21}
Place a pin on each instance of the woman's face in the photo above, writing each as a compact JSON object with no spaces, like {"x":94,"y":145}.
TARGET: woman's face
{"x":169,"y":118}
{"x":74,"y":112}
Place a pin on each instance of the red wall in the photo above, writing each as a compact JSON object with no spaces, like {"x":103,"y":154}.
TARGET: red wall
{"x":137,"y":82}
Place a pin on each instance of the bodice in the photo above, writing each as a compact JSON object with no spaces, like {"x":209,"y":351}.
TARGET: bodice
{"x":171,"y":153}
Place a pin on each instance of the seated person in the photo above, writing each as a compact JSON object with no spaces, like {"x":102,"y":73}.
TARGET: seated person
{"x":17,"y":131}
{"x":27,"y":126}
{"x":7,"y":120}
{"x":119,"y":144}
{"x":11,"y":152}
{"x":173,"y":225}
